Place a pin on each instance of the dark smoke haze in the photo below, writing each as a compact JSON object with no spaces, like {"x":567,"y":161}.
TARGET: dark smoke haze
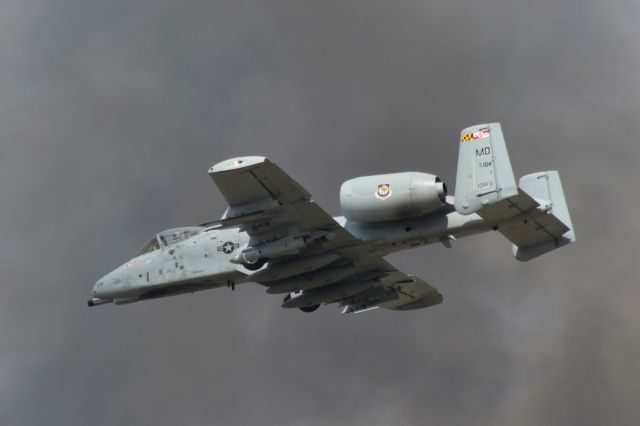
{"x":111,"y":113}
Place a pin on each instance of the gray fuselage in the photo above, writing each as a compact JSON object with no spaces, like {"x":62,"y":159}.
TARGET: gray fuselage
{"x":203,"y":260}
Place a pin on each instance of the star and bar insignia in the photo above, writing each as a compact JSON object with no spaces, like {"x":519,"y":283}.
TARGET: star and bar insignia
{"x":228,"y":247}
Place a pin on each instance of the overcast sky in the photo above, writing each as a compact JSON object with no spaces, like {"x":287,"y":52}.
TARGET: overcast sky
{"x":112,"y":112}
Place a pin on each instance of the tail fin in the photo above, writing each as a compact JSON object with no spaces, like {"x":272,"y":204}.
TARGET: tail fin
{"x":484,"y":174}
{"x":546,"y":232}
{"x":533,"y":215}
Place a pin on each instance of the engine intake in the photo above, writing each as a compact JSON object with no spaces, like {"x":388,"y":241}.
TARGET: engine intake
{"x":392,"y":196}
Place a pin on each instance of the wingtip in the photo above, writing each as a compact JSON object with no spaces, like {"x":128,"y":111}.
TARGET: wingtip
{"x":236,"y":163}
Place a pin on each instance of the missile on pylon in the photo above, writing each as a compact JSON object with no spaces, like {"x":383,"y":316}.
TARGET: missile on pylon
{"x":312,"y":280}
{"x":286,"y":269}
{"x":326,"y":294}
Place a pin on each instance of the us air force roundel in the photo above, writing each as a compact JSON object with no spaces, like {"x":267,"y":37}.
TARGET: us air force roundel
{"x":383,"y":192}
{"x":228,"y":247}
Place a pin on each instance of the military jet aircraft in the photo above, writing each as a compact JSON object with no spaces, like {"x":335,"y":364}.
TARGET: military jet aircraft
{"x":272,"y":232}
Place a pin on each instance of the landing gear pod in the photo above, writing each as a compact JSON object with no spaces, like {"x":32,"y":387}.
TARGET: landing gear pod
{"x":296,"y":295}
{"x":255,"y":265}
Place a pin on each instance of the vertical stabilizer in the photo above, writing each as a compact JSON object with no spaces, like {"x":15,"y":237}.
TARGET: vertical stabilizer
{"x":544,"y":233}
{"x":533,"y":215}
{"x":484,"y":174}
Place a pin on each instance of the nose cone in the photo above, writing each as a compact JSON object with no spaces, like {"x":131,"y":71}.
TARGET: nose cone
{"x":98,"y":294}
{"x":106,"y":285}
{"x":97,"y":288}
{"x":104,"y":290}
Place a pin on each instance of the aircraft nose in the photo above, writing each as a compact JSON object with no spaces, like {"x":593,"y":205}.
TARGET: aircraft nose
{"x":98,"y":296}
{"x":102,"y":289}
{"x":96,"y":288}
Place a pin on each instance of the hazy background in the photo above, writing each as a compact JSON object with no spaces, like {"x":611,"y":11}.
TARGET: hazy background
{"x":111,"y":113}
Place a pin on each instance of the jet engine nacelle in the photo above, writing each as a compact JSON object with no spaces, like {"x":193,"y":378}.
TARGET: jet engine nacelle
{"x":391,"y":196}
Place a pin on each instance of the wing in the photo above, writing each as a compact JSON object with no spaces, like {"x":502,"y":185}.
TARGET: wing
{"x":310,"y":256}
{"x":276,"y":211}
{"x":247,"y":181}
{"x":393,"y":290}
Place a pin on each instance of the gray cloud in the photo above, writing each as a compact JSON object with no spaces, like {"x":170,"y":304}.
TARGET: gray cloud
{"x":112,"y":112}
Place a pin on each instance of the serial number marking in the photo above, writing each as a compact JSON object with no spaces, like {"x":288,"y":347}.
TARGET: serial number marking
{"x":485,"y":184}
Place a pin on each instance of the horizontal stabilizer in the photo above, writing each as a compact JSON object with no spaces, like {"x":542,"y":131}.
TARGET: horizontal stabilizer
{"x":509,"y":208}
{"x":533,"y":215}
{"x":538,"y":233}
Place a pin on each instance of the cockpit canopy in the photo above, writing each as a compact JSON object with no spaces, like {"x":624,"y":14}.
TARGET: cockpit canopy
{"x":168,"y":238}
